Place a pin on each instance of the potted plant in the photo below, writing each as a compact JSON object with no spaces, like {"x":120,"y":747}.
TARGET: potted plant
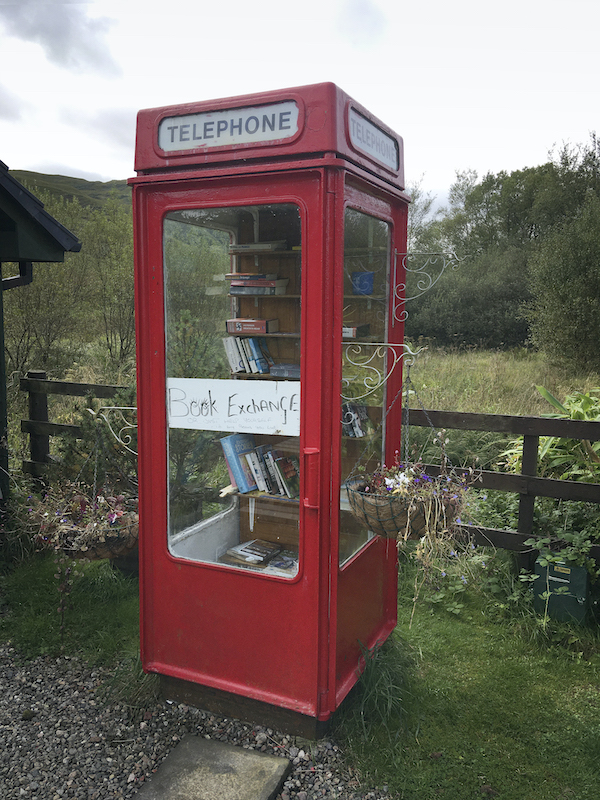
{"x":85,"y":524}
{"x":403,"y":501}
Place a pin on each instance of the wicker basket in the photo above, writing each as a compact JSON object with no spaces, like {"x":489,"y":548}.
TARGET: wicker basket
{"x":110,"y":543}
{"x":391,"y":516}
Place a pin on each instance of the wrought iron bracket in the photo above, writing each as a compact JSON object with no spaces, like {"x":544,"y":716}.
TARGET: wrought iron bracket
{"x":376,"y":361}
{"x":120,"y":426}
{"x":424,"y":267}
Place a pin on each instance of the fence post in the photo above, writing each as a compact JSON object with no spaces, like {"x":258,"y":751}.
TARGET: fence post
{"x":526,"y":501}
{"x":39,"y":444}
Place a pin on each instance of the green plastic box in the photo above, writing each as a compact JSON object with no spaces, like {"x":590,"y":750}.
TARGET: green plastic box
{"x":565,"y":606}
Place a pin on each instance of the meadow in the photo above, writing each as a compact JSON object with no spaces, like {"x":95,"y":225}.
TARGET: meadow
{"x":474,"y":696}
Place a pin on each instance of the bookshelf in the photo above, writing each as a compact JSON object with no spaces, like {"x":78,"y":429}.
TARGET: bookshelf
{"x":251,"y":264}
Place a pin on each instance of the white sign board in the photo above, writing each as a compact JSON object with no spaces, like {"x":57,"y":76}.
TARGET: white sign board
{"x":236,"y":406}
{"x":372,"y":141}
{"x":229,"y":127}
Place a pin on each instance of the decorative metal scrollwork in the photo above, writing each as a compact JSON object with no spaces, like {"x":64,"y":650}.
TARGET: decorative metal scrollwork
{"x":374,"y":362}
{"x":122,"y":428}
{"x":419,"y":265}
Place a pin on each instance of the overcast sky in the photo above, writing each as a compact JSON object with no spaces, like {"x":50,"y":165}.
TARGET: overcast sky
{"x":469,"y":84}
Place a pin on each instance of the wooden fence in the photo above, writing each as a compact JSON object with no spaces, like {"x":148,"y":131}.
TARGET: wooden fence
{"x":526,"y":484}
{"x":39,"y":428}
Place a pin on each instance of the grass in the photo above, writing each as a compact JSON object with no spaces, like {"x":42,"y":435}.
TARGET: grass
{"x":100,"y":619}
{"x":486,"y":710}
{"x":492,"y":382}
{"x":478,"y":697}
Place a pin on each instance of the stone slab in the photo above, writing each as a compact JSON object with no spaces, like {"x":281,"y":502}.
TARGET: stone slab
{"x":202,"y":769}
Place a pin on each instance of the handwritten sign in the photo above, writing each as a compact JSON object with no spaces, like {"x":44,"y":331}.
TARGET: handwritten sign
{"x":236,"y":406}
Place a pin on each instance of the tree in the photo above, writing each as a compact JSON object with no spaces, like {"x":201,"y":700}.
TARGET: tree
{"x":565,"y":274}
{"x":108,"y":259}
{"x":46,"y":322}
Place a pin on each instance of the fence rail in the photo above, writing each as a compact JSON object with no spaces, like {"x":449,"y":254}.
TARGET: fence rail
{"x":38,"y":426}
{"x":526,"y":484}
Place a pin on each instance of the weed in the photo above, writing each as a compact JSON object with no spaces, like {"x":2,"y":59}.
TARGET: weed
{"x":131,"y":687}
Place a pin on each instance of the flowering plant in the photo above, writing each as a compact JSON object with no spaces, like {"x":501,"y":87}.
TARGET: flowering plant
{"x":83,"y":523}
{"x":405,"y":501}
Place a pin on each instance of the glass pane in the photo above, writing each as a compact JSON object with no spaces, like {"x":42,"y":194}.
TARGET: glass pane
{"x":232,"y":294}
{"x":366,"y":281}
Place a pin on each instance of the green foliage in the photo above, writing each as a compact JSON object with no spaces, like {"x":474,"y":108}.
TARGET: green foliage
{"x":528,"y":244}
{"x":51,"y":323}
{"x":100,"y":620}
{"x":565,"y":275}
{"x":87,"y":193}
{"x":383,"y":696}
{"x":565,"y":459}
{"x":474,"y":693}
{"x":96,"y":459}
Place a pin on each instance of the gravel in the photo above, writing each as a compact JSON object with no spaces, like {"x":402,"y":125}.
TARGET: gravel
{"x":59,"y":738}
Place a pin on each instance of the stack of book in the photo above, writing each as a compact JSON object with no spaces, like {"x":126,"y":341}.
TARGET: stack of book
{"x":265,"y":283}
{"x":356,"y":421}
{"x":248,"y":354}
{"x":263,"y":468}
{"x":256,"y":553}
{"x":355,"y":331}
{"x":250,"y":326}
{"x":262,"y":555}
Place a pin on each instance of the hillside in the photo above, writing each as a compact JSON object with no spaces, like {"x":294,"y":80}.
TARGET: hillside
{"x":87,"y":192}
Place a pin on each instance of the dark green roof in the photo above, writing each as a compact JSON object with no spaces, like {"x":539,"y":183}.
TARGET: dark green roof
{"x":27,"y":231}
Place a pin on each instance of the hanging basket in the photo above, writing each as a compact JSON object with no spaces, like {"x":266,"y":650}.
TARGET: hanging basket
{"x":389,"y":516}
{"x":109,"y":542}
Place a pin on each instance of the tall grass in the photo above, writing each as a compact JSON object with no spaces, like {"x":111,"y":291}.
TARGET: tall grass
{"x":492,"y":382}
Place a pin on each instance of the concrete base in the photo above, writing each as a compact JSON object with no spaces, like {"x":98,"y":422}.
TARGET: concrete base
{"x":255,"y":712}
{"x":202,"y":769}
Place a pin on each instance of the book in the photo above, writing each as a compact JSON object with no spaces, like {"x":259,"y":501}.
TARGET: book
{"x":286,"y":370}
{"x":254,"y":462}
{"x":250,"y":276}
{"x":233,"y":354}
{"x":348,"y":420}
{"x":247,"y":325}
{"x":271,"y":456}
{"x":283,"y":563}
{"x":256,"y":290}
{"x":265,"y":454}
{"x":258,"y":247}
{"x":356,"y":421}
{"x":262,"y":365}
{"x":264,"y":349}
{"x":245,"y":346}
{"x":254,"y":553}
{"x":234,"y":449}
{"x":242,"y":354}
{"x":289,"y":472}
{"x":355,"y":332}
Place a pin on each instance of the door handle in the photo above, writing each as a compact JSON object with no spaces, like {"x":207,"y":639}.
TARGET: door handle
{"x":311,"y":476}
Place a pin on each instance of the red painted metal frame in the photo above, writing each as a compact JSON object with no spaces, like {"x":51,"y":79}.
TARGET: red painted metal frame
{"x":323,"y":128}
{"x":295,"y":644}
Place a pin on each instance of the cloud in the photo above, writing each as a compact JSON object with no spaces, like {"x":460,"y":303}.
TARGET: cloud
{"x":10,"y":105}
{"x":67,"y":35}
{"x":362,"y":22}
{"x":114,"y":125}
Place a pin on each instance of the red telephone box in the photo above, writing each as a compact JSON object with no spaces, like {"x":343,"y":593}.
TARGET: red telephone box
{"x":269,"y":344}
